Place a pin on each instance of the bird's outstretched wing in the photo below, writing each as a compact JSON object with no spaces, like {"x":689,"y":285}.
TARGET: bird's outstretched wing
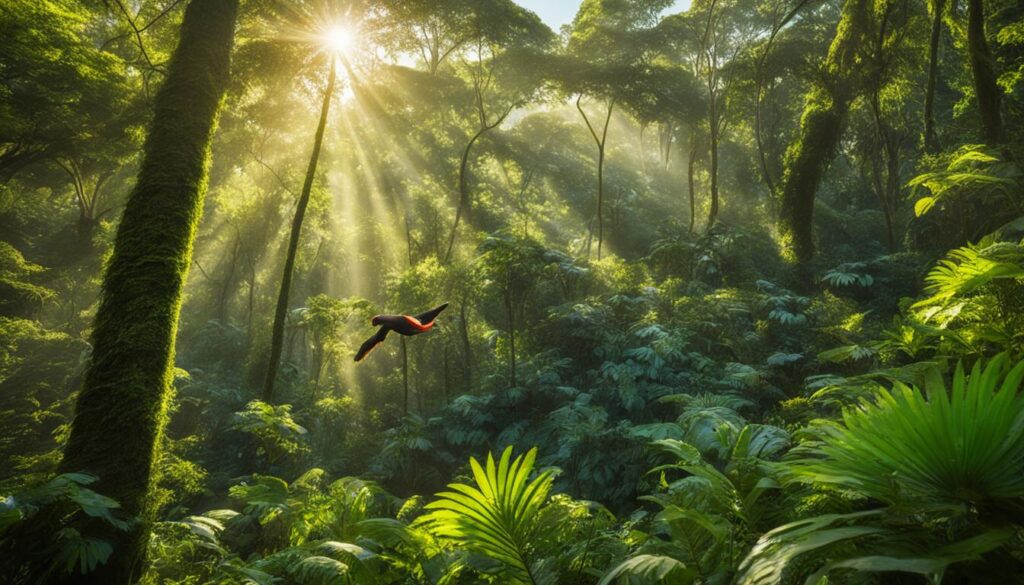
{"x":429,"y":316}
{"x":372,"y":342}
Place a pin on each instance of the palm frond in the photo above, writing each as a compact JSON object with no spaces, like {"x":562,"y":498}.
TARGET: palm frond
{"x":498,"y":517}
{"x":944,"y":447}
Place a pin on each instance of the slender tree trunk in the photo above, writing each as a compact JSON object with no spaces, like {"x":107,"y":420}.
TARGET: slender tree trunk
{"x":229,"y":279}
{"x":667,"y":133}
{"x":883,"y":189}
{"x":463,"y":192}
{"x":690,"y":170}
{"x":600,"y":141}
{"x":467,"y":348}
{"x":759,"y":138}
{"x":251,"y":305}
{"x":931,"y":137}
{"x":986,"y":89}
{"x":889,"y":189}
{"x":600,"y":200}
{"x":892,"y":194}
{"x":820,"y":131}
{"x":121,"y":410}
{"x":281,"y":313}
{"x":447,"y":374}
{"x":643,"y":154}
{"x":464,"y":202}
{"x":714,"y":130}
{"x":759,"y":96}
{"x":511,"y":340}
{"x":405,"y":378}
{"x":408,"y":239}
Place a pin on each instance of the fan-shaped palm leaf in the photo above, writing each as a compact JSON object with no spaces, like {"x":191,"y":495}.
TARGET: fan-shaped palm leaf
{"x":498,"y":517}
{"x":951,"y":448}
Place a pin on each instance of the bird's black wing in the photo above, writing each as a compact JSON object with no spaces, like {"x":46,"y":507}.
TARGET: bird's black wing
{"x":430,"y":315}
{"x":372,"y":342}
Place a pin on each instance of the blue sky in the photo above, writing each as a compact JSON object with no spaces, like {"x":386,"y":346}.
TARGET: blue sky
{"x":558,"y":12}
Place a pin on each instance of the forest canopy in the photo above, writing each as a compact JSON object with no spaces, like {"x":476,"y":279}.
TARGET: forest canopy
{"x":450,"y":292}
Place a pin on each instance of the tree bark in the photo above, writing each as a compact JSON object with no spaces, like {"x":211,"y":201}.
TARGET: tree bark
{"x":121,"y":410}
{"x":986,"y":89}
{"x":820,"y":131}
{"x":931,"y":137}
{"x":281,"y":313}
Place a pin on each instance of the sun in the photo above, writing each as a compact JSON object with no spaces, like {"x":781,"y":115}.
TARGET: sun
{"x":339,"y":38}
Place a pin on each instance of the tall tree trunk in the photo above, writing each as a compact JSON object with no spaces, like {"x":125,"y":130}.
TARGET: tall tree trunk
{"x":888,"y":190}
{"x":820,"y":131}
{"x":600,"y":200}
{"x":405,"y":377}
{"x":121,"y":410}
{"x":643,"y":155}
{"x":229,"y":279}
{"x":281,"y":313}
{"x":447,"y":373}
{"x":931,"y":136}
{"x":759,"y":96}
{"x":463,"y":192}
{"x":986,"y":88}
{"x":511,"y":339}
{"x":713,"y":126}
{"x":600,"y":141}
{"x":691,"y":183}
{"x":665,"y":138}
{"x":467,"y":348}
{"x":251,"y":304}
{"x":464,"y":202}
{"x":759,"y":137}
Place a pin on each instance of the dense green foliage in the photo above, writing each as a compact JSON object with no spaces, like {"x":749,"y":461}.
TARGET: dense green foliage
{"x":736,"y":292}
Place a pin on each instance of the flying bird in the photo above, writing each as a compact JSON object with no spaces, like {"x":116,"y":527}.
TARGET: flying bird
{"x":400,"y":324}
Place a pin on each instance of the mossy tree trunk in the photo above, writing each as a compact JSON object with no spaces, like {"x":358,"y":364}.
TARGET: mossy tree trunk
{"x":121,"y":410}
{"x":820,"y":130}
{"x":281,"y":312}
{"x":986,"y":88}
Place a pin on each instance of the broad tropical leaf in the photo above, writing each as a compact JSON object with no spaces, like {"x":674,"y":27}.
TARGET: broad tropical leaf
{"x":650,"y":569}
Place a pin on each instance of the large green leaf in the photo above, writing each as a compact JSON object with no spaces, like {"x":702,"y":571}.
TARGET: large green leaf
{"x":650,"y":569}
{"x":499,"y":516}
{"x":939,"y":448}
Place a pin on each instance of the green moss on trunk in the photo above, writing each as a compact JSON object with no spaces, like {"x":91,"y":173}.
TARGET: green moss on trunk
{"x":121,"y":409}
{"x":821,"y":128}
